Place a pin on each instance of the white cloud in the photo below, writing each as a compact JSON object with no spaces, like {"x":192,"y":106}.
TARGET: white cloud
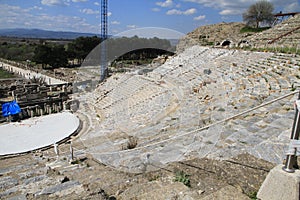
{"x":230,"y":12}
{"x":55,"y":2}
{"x":237,"y":7}
{"x":174,"y":12}
{"x":294,"y":7}
{"x":165,"y":4}
{"x":97,"y":3}
{"x":190,"y":11}
{"x":17,"y":17}
{"x":109,"y":14}
{"x":178,"y":5}
{"x":222,"y":3}
{"x":132,"y":26}
{"x":37,"y":8}
{"x":150,"y":32}
{"x":60,"y":2}
{"x":89,"y":11}
{"x":76,"y":1}
{"x":115,"y":22}
{"x":287,"y":5}
{"x":201,"y":17}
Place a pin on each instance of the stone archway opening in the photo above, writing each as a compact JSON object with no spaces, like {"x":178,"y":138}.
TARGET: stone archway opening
{"x":225,"y":43}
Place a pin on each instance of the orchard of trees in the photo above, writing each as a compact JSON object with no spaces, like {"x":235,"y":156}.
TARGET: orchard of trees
{"x":55,"y":55}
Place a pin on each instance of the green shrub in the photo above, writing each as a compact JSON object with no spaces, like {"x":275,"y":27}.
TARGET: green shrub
{"x":248,"y":29}
{"x":252,"y":195}
{"x":182,"y":177}
{"x":5,"y":74}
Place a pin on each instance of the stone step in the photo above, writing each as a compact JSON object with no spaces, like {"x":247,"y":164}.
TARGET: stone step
{"x":64,"y":189}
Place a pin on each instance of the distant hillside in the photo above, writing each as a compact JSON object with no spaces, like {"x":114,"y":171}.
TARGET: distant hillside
{"x":43,"y":34}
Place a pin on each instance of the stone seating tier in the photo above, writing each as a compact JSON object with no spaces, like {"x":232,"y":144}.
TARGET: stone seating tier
{"x":197,"y":88}
{"x":279,"y":31}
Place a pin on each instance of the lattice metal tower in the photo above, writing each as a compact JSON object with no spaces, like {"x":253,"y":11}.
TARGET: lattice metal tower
{"x":104,"y":36}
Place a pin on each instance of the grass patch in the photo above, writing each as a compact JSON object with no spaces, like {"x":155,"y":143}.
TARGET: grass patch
{"x":5,"y":74}
{"x":293,"y":89}
{"x":221,"y":110}
{"x":288,"y":50}
{"x":293,"y":50}
{"x":153,"y":177}
{"x":248,"y":29}
{"x":252,"y":195}
{"x":182,"y":177}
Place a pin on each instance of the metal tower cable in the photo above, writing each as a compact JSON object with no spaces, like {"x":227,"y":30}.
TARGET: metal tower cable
{"x":104,"y":36}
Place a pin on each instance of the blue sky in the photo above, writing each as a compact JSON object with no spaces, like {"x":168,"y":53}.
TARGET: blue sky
{"x":84,"y":15}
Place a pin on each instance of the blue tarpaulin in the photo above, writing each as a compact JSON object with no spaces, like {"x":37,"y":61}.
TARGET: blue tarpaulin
{"x":10,"y":108}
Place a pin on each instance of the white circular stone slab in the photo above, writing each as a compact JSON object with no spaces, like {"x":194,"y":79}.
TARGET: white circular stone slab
{"x":36,"y":133}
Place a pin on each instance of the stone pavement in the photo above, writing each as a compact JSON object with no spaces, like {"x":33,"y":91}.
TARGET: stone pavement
{"x":178,"y":111}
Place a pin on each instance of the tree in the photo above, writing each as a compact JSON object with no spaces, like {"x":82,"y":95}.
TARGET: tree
{"x":81,"y":47}
{"x":71,"y":53}
{"x":42,"y":54}
{"x":261,"y":11}
{"x":58,"y":57}
{"x":55,"y":56}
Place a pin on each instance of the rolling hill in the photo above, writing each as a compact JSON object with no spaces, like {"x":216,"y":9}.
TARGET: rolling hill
{"x":43,"y":34}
